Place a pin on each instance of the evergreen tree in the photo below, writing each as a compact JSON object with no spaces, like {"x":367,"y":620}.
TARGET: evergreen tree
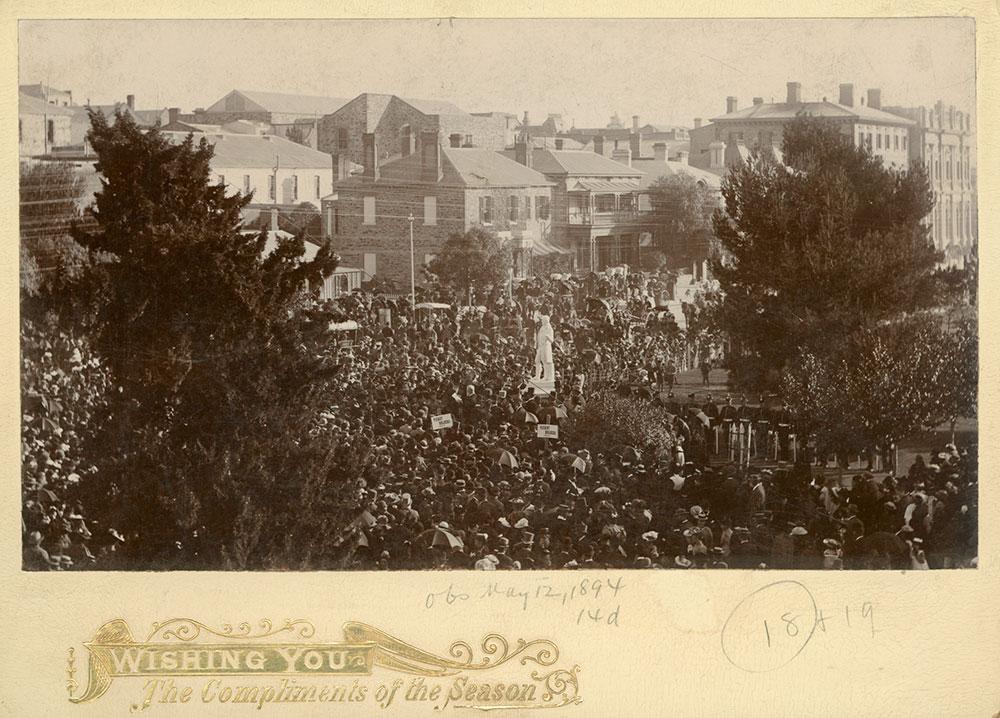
{"x":817,"y":249}
{"x":206,"y":456}
{"x":477,"y":260}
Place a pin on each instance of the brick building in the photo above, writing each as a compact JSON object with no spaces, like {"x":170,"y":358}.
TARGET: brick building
{"x":595,"y":205}
{"x":398,"y":124}
{"x":446,"y":190}
{"x":730,"y":137}
{"x":41,"y":126}
{"x":942,"y":140}
{"x":285,"y":113}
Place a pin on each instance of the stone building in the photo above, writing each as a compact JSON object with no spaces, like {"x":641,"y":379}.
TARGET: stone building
{"x":445,"y":190}
{"x":398,"y":124}
{"x":942,"y":140}
{"x":41,"y":126}
{"x":730,"y":137}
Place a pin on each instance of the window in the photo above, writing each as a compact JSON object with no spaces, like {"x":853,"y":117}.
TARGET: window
{"x":20,"y":131}
{"x":342,"y":138}
{"x":430,"y":211}
{"x":317,"y":185}
{"x":246,"y":184}
{"x":542,"y":207}
{"x":528,"y":210}
{"x":904,"y":142}
{"x":878,"y":140}
{"x":513,"y":208}
{"x":336,"y":219}
{"x":486,"y":210}
{"x":272,"y":187}
{"x":370,"y":211}
{"x":369,"y":265}
{"x":51,"y":132}
{"x":295,"y":187}
{"x":605,"y":203}
{"x":895,"y":142}
{"x":468,"y":140}
{"x":869,"y":140}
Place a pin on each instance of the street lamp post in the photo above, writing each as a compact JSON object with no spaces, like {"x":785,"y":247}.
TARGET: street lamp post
{"x":413,"y":280}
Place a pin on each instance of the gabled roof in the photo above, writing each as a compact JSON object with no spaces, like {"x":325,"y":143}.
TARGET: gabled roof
{"x":576,"y":163}
{"x":258,"y":151}
{"x":790,"y":110}
{"x":654,"y":169}
{"x":28,"y":105}
{"x":434,"y":107}
{"x":472,"y":167}
{"x":283,"y":103}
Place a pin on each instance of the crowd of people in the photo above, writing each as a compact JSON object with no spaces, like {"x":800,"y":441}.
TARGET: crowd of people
{"x":438,"y":421}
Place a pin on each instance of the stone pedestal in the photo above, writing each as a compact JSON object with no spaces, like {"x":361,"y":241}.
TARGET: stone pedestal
{"x":543,"y":386}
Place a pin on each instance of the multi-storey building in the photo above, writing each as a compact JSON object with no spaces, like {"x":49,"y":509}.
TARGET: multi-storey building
{"x":60,"y":98}
{"x":41,"y":126}
{"x":595,"y":205}
{"x":434,"y":192}
{"x":731,"y":136}
{"x":398,"y":124}
{"x":942,"y":140}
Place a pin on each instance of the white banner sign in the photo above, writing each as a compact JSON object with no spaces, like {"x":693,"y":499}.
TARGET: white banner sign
{"x":441,"y":421}
{"x":548,"y":431}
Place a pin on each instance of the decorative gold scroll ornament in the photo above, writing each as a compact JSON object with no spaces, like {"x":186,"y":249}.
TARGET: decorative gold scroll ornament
{"x":172,"y":649}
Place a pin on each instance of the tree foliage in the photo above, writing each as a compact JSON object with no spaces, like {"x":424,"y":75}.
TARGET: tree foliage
{"x":681,"y":217}
{"x":815,"y":250}
{"x":219,"y":360}
{"x":477,"y":260}
{"x":610,"y":422}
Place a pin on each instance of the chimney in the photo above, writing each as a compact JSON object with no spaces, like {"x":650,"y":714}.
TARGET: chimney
{"x":559,"y":143}
{"x":875,"y":98}
{"x":370,"y":153}
{"x":682,"y":157}
{"x":717,"y":155}
{"x":730,"y":105}
{"x":635,"y":141}
{"x":624,"y":156}
{"x":697,"y":122}
{"x":635,"y":123}
{"x":794,"y":93}
{"x":430,"y":156}
{"x":455,"y":140}
{"x":522,"y":151}
{"x":274,"y":220}
{"x":599,"y":144}
{"x":174,"y":114}
{"x":525,"y":122}
{"x":660,"y":151}
{"x":758,"y":100}
{"x":130,"y":101}
{"x":847,"y":94}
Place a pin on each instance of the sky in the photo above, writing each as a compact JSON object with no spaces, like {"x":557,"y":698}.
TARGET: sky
{"x":666,"y":71}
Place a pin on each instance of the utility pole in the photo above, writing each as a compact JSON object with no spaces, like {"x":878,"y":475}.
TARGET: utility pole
{"x":413,"y":280}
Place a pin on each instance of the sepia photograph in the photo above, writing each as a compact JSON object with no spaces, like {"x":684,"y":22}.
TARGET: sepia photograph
{"x":498,"y":295}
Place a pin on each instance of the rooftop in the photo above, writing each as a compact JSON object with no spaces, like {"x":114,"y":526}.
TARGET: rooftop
{"x":789,"y":110}
{"x":258,"y":151}
{"x":578,"y":163}
{"x":654,"y":169}
{"x":463,"y":166}
{"x":280,"y":102}
{"x":28,"y":105}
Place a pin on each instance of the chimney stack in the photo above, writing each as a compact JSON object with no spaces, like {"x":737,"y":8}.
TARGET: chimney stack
{"x":682,"y":157}
{"x":623,"y":156}
{"x":635,"y":141}
{"x":559,"y":143}
{"x":875,"y":98}
{"x":525,"y":122}
{"x":758,"y":100}
{"x":635,"y":123}
{"x":370,"y":152}
{"x":430,"y":156}
{"x":660,"y":151}
{"x":174,"y":114}
{"x":847,"y":94}
{"x":730,"y":105}
{"x":130,"y":101}
{"x":522,"y":151}
{"x":697,"y":122}
{"x":794,"y":93}
{"x":599,"y":144}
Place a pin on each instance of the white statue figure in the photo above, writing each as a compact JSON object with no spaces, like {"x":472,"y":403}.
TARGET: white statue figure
{"x":544,"y":337}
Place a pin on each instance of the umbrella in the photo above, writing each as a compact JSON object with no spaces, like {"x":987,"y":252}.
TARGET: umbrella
{"x":444,"y":537}
{"x":505,"y":458}
{"x":525,"y":416}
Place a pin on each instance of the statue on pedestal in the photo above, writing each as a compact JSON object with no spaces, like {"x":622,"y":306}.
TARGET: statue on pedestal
{"x":544,"y":337}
